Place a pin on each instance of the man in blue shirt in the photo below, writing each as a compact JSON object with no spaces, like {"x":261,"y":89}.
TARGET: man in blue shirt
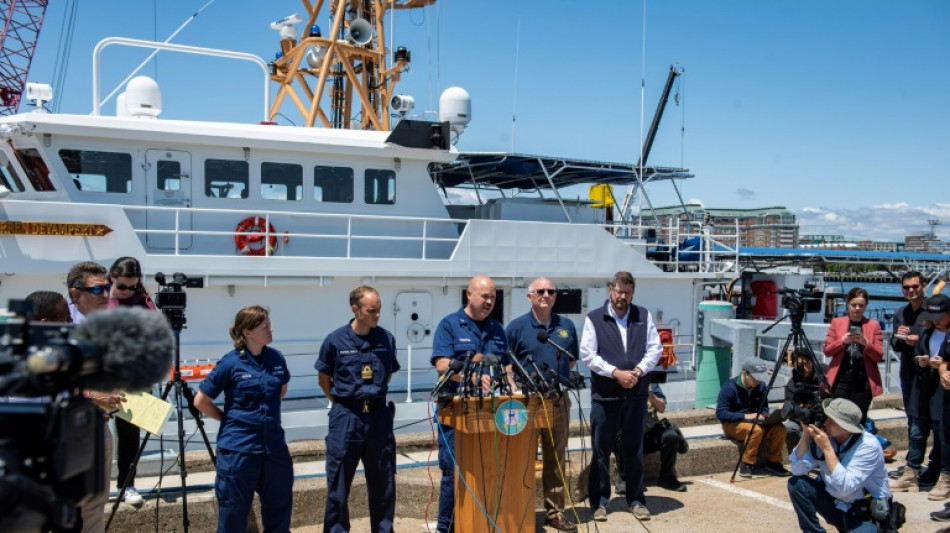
{"x":621,"y":346}
{"x":522,"y":334}
{"x":851,"y":465}
{"x":469,"y":330}
{"x":356,"y":363}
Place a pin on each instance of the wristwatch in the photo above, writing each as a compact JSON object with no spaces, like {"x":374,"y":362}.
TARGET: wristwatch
{"x":638,"y":372}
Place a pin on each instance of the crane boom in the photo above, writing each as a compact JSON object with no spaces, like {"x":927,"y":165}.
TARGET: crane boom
{"x":22,"y":20}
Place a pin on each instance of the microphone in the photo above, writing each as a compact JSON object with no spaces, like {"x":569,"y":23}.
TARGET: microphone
{"x":543,"y":384}
{"x":546,"y":339}
{"x":124,"y":348}
{"x":454,"y":367}
{"x":470,"y":362}
{"x":516,"y":365}
{"x":557,"y":377}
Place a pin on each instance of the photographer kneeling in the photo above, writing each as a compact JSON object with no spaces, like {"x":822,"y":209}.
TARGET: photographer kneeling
{"x":852,"y":468}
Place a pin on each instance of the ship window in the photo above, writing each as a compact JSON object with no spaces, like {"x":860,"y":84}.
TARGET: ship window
{"x":281,"y":181}
{"x":93,"y":171}
{"x":169,"y":175}
{"x":226,"y":179}
{"x":333,"y":184}
{"x":380,"y":186}
{"x":8,"y":176}
{"x":36,"y":170}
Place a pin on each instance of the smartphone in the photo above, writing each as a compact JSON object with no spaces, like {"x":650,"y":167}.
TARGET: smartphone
{"x":855,"y":330}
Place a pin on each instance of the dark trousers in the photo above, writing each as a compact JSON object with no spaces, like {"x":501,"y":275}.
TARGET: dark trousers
{"x":127,"y":445}
{"x":240,"y":475}
{"x":447,"y":485}
{"x":628,"y":417}
{"x":853,"y":386}
{"x":668,"y":442}
{"x":353,"y":436}
{"x":810,"y":498}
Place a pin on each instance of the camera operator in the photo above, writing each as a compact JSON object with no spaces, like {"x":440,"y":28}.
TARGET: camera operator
{"x":804,"y":389}
{"x":851,"y":467}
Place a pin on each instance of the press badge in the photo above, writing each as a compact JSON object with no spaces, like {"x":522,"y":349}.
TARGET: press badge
{"x":367,"y":373}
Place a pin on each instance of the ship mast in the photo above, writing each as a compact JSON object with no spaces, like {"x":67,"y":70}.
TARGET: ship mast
{"x":341,"y":76}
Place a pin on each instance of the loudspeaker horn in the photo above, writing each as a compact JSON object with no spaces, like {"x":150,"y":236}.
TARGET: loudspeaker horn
{"x":360,"y":32}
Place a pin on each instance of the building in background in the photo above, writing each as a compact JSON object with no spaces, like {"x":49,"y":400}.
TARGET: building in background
{"x":770,"y":227}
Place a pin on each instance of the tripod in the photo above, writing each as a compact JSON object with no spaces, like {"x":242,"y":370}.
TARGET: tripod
{"x":802,"y":348}
{"x":183,"y":396}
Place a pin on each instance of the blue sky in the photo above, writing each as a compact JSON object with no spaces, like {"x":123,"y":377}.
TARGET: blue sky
{"x":837,"y":110}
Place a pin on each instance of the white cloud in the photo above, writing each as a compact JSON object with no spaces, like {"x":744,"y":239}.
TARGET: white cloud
{"x":884,"y":222}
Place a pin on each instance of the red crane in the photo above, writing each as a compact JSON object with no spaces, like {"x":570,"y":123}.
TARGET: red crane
{"x":22,"y":20}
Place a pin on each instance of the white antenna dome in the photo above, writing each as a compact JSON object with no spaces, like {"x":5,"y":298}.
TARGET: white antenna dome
{"x":143,"y":97}
{"x":121,"y":107}
{"x":455,"y":106}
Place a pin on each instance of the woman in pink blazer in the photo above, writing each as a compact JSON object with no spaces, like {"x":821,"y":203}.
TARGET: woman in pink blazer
{"x":855,"y":345}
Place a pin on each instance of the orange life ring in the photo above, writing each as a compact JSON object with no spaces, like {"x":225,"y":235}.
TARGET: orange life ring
{"x":249,"y":237}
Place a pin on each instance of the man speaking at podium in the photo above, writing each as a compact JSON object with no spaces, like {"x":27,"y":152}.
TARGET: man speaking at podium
{"x":621,"y":346}
{"x":525,"y":335}
{"x":468,"y":331}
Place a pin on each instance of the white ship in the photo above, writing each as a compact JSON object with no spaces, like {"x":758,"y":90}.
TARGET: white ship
{"x":293,"y":218}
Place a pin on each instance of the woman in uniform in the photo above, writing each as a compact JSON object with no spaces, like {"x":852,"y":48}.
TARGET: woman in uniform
{"x":252,"y":451}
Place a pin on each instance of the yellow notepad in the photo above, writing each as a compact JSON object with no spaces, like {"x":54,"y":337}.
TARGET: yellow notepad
{"x":145,"y":411}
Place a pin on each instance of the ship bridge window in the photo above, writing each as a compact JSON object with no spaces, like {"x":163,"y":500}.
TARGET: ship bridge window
{"x":333,"y":184}
{"x":36,"y":170}
{"x":281,"y":181}
{"x":8,"y":176}
{"x":380,"y":186}
{"x":94,"y":171}
{"x":226,"y":179}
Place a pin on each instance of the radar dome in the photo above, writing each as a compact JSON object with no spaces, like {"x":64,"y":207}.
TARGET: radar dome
{"x":455,"y":106}
{"x":143,"y":98}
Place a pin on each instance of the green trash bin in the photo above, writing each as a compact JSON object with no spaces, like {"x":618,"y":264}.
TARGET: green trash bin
{"x":713,"y":363}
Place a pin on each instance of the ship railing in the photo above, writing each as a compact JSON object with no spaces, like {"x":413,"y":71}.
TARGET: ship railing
{"x":684,"y":246}
{"x":426,"y":230}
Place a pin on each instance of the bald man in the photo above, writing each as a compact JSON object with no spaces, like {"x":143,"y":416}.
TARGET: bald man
{"x":522,"y":334}
{"x":471,"y":329}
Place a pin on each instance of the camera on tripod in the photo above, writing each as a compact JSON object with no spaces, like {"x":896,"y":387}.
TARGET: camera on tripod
{"x":172,"y":299}
{"x":801,"y":301}
{"x":52,"y":448}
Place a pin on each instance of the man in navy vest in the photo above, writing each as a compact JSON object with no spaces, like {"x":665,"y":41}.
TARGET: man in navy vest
{"x":621,"y":346}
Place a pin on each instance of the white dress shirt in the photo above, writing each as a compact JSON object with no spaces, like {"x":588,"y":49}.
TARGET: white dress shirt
{"x":596,"y":363}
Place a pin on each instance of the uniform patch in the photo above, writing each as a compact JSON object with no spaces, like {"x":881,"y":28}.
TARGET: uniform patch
{"x":562,"y":333}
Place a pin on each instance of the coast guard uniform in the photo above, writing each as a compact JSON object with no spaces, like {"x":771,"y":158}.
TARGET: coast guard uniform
{"x":360,"y":425}
{"x":456,"y":336}
{"x":252,"y":451}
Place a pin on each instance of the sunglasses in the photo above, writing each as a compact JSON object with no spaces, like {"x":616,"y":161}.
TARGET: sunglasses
{"x":542,"y":292}
{"x":122,"y":287}
{"x":96,"y":289}
{"x":910,"y":287}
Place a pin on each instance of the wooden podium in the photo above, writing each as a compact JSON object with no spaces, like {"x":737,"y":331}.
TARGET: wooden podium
{"x":495,"y":446}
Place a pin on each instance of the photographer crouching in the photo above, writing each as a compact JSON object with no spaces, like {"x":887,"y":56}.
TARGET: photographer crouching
{"x":850,"y":491}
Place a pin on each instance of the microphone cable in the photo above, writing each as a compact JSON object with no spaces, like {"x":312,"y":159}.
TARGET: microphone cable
{"x":564,"y":484}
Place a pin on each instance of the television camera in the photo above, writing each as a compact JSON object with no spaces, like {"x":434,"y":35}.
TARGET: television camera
{"x":171,"y":299}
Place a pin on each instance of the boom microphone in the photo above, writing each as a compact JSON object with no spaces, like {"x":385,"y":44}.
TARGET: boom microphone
{"x":124,"y":348}
{"x":557,"y":377}
{"x":546,"y":339}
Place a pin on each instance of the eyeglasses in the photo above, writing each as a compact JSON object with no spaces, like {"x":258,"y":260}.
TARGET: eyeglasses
{"x":96,"y":289}
{"x":542,"y":292}
{"x":122,"y":287}
{"x":910,"y":287}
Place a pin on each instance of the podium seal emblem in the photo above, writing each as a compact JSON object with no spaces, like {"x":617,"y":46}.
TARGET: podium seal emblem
{"x":511,"y":417}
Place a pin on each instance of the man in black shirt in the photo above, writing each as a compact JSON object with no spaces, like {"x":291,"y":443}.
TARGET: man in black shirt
{"x":906,"y":330}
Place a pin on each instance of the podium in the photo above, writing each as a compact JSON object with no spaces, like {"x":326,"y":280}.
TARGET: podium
{"x":495,"y":445}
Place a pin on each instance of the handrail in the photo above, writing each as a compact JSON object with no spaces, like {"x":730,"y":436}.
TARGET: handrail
{"x":173,"y":48}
